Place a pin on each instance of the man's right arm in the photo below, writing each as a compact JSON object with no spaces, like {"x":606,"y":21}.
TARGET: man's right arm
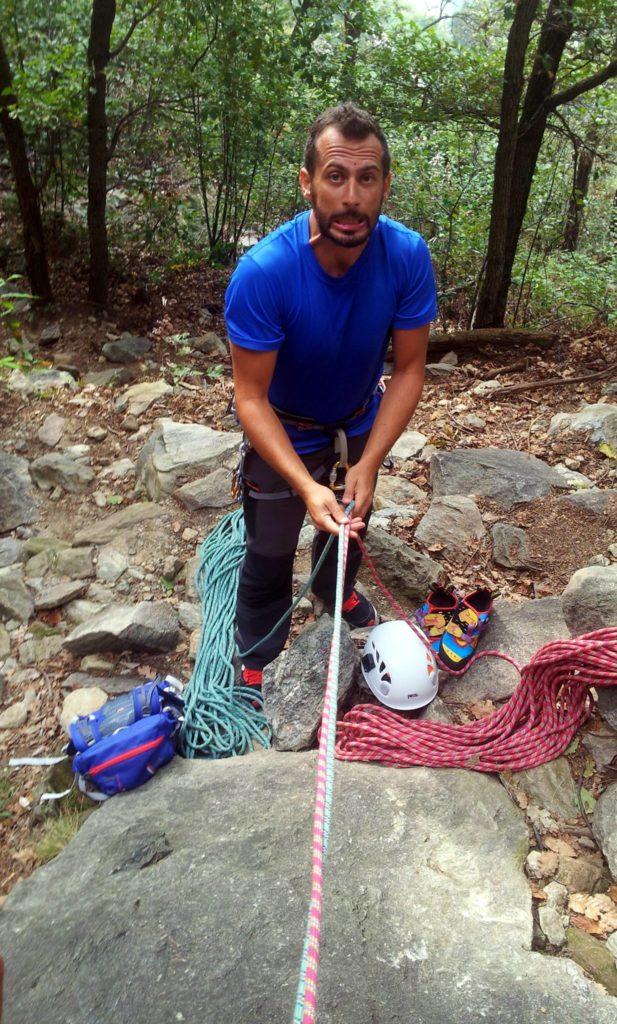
{"x":252,"y":372}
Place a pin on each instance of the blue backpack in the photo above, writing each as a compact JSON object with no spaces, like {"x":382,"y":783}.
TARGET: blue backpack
{"x":128,"y":739}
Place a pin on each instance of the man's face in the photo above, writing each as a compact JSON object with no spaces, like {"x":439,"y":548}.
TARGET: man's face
{"x":348,"y":187}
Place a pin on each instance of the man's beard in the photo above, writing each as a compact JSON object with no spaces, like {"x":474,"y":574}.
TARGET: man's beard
{"x":360,"y":238}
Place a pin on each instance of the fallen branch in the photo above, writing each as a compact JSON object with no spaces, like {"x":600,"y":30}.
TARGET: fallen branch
{"x":522,"y":364}
{"x":552,"y":382}
{"x":443,"y":341}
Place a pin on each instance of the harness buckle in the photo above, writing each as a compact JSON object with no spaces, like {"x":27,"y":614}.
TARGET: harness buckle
{"x":337,"y":477}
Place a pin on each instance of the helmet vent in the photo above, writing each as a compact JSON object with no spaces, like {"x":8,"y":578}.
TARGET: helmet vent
{"x":386,"y":678}
{"x":382,"y":667}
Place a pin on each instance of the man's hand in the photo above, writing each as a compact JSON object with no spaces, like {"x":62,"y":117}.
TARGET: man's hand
{"x":359,"y":487}
{"x":326,"y":512}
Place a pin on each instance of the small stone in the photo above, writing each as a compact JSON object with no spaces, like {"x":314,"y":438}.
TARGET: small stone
{"x":97,"y":433}
{"x":81,"y":702}
{"x":130,"y":424}
{"x":209,"y":344}
{"x":50,"y":335}
{"x":552,"y":924}
{"x":409,"y":444}
{"x":485,"y":387}
{"x":111,"y":564}
{"x":15,"y":598}
{"x":475,"y":422}
{"x":14,"y":716}
{"x":100,"y":499}
{"x":81,"y":610}
{"x":32,"y":652}
{"x":76,"y":563}
{"x":5,"y":643}
{"x":126,"y":349}
{"x":542,"y":864}
{"x":172,"y":565}
{"x":140,"y":397}
{"x":510,"y":546}
{"x":190,"y":615}
{"x":94,"y":663}
{"x":194,"y":642}
{"x":59,"y":469}
{"x":556,"y":895}
{"x":599,"y":560}
{"x":451,"y":358}
{"x":190,"y":534}
{"x":577,"y":874}
{"x":52,"y":430}
{"x":611,"y":945}
{"x":11,"y":551}
{"x":118,"y":470}
{"x":59,"y":594}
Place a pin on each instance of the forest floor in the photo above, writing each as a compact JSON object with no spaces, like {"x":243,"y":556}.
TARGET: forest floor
{"x":190,"y":303}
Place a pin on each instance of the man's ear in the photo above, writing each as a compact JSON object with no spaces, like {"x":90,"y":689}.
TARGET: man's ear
{"x":305,"y":183}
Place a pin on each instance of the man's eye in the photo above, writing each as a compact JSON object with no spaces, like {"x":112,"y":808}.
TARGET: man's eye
{"x":334,"y":176}
{"x":368,"y":178}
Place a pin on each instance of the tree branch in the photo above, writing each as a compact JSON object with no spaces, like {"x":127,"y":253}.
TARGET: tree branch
{"x":137,"y":20}
{"x":585,"y":84}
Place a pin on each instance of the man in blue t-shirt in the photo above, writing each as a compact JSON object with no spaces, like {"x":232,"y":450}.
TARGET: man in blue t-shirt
{"x":310,"y":311}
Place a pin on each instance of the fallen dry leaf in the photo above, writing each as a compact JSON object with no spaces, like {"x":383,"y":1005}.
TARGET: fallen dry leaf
{"x":560,"y":846}
{"x":482,"y":708}
{"x":597,"y":905}
{"x":578,"y":902}
{"x":585,"y":925}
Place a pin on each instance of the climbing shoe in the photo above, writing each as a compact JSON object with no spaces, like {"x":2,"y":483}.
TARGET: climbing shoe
{"x":434,"y":615}
{"x":460,"y":639}
{"x":252,"y":677}
{"x":358,"y":611}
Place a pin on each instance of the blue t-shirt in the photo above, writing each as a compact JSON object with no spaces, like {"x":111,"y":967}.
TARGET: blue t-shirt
{"x":331,"y":333}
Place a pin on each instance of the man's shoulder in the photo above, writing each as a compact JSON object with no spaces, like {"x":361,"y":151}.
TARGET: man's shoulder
{"x":277,"y":250}
{"x":399,"y":236}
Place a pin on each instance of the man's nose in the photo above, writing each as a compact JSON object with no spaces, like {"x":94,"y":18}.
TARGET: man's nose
{"x":350,"y":195}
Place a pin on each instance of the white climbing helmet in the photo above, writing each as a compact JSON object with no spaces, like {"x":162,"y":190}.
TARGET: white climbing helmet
{"x":398,"y":668}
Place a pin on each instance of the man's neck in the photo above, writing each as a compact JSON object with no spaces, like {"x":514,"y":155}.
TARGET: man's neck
{"x":336,"y":260}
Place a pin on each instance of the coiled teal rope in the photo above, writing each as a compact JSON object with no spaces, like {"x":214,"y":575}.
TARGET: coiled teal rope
{"x":220,"y":717}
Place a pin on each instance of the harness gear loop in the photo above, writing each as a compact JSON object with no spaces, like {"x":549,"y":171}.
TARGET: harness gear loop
{"x":338,"y":472}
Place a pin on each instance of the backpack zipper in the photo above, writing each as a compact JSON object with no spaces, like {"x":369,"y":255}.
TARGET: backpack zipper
{"x":126,"y":755}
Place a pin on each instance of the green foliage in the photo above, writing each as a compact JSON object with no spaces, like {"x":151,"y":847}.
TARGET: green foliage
{"x":59,"y":832}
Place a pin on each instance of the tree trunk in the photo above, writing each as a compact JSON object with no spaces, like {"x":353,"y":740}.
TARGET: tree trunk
{"x":583,"y":163}
{"x":101,"y":24}
{"x":555,"y":32}
{"x":27,"y":195}
{"x":513,"y":76}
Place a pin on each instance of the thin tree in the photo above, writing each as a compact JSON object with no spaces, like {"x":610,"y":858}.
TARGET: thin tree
{"x":27,"y":195}
{"x":520,"y":140}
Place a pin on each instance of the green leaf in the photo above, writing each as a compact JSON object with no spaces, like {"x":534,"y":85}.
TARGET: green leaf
{"x":573,"y":746}
{"x":588,"y":800}
{"x":115,"y":499}
{"x":590,"y":767}
{"x":608,"y":450}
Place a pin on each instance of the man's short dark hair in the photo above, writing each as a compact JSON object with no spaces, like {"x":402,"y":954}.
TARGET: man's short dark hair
{"x":352,"y":123}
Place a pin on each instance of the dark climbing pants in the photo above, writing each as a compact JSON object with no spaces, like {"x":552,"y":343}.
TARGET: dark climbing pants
{"x":272,"y":531}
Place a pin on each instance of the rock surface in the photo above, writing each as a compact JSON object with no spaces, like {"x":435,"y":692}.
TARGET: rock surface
{"x":427,"y":911}
{"x":409,"y":444}
{"x":126,"y":349}
{"x":146,"y":626}
{"x":181,"y":448}
{"x":408,"y":571}
{"x":454,"y":522}
{"x":395,"y":491}
{"x":517,"y":628}
{"x":294,"y":684}
{"x":16,"y":601}
{"x":507,"y":477}
{"x":510,"y":546}
{"x":605,"y":825}
{"x":59,"y":470}
{"x":211,"y":491}
{"x":107,"y":529}
{"x":17,"y":502}
{"x":36,"y":381}
{"x":140,"y":397}
{"x":589,"y":601}
{"x":598,"y":420}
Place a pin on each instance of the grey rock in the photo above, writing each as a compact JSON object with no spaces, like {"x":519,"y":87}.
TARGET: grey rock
{"x":589,"y":601}
{"x":599,"y":421}
{"x":52,"y":430}
{"x":402,"y":568}
{"x":189,"y":615}
{"x":517,"y":628}
{"x":556,"y":896}
{"x":147,"y":626}
{"x":607,"y":703}
{"x":5,"y":643}
{"x":77,"y":451}
{"x":212,"y":491}
{"x":107,"y":529}
{"x":95,"y":663}
{"x":75,"y":562}
{"x":50,"y":335}
{"x":58,"y":594}
{"x":409,"y":445}
{"x":102,"y":378}
{"x":505,"y":476}
{"x":395,"y":491}
{"x":172,"y":566}
{"x":140,"y":397}
{"x":118,"y":470}
{"x":126,"y":349}
{"x":578,"y":874}
{"x":130,"y":424}
{"x":552,"y":923}
{"x":32,"y":652}
{"x":573,"y":478}
{"x":97,"y":433}
{"x":294,"y":684}
{"x":605,"y":825}
{"x":485,"y":387}
{"x":15,"y":599}
{"x":403,"y":844}
{"x":209,"y":343}
{"x":473,"y":421}
{"x":602,"y":746}
{"x":181,"y":448}
{"x":44,"y":542}
{"x":17,"y":502}
{"x":189,"y":576}
{"x":11,"y":551}
{"x":81,"y":610}
{"x":112,"y":685}
{"x":111,"y":564}
{"x":454,"y":522}
{"x":14,"y":716}
{"x":510,"y":546}
{"x":36,"y":381}
{"x":450,"y":357}
{"x":599,"y":560}
{"x":440,"y":369}
{"x":550,"y":786}
{"x":59,"y":470}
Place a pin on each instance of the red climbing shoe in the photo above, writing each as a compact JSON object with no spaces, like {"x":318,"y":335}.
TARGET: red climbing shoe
{"x":434,"y":615}
{"x":252,"y":677}
{"x":358,"y":611}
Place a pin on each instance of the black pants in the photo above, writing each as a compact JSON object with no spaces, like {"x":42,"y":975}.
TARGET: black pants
{"x":272,"y":531}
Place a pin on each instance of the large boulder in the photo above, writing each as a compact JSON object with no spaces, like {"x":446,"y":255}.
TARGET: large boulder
{"x":505,"y":476}
{"x":181,"y":449}
{"x":453,"y":522}
{"x":294,"y":684}
{"x":517,"y":628}
{"x":599,"y":421}
{"x":58,"y":470}
{"x":211,"y":491}
{"x":589,"y":601}
{"x":126,"y":349}
{"x":147,"y":626}
{"x":205,"y":874}
{"x":38,"y":381}
{"x":17,"y":502}
{"x":128,"y":518}
{"x":605,"y":826}
{"x":403,"y":569}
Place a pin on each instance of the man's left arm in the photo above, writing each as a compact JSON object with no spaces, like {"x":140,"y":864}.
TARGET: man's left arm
{"x":395,"y":411}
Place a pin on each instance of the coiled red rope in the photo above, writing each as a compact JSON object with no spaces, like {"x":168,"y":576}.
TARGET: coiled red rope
{"x":550,"y":703}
